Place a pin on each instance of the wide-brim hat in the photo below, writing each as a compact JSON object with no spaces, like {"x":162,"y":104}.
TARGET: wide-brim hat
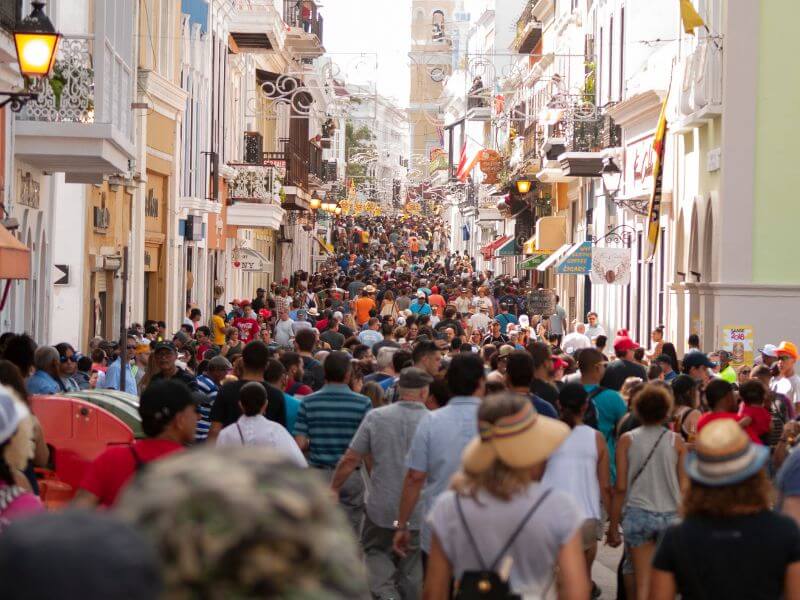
{"x":519,"y":441}
{"x":724,"y":455}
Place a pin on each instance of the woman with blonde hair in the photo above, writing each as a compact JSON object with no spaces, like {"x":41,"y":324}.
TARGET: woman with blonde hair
{"x":498,"y":528}
{"x":388,"y":306}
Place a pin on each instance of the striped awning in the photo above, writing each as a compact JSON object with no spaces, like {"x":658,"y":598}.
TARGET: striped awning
{"x":553,"y":258}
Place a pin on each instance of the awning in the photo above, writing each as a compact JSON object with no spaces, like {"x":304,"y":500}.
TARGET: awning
{"x":489,"y":248}
{"x":509,"y":248}
{"x":534,"y":261}
{"x":326,"y":248}
{"x":551,"y":260}
{"x":15,"y":257}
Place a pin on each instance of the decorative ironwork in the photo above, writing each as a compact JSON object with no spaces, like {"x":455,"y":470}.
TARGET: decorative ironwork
{"x":621,"y":234}
{"x":253,"y":184}
{"x":68,"y":95}
{"x":636,"y":206}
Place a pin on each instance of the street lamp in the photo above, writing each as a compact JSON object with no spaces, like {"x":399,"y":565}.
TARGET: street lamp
{"x":523,"y":186}
{"x":315,"y":202}
{"x":36,"y":41}
{"x":612,"y":177}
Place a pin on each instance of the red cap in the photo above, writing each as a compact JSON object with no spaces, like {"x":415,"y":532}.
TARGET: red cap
{"x":265,"y":313}
{"x":435,"y":289}
{"x":559,"y":363}
{"x":624,"y":343}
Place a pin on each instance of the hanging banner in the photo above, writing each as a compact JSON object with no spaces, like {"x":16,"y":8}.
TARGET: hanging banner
{"x":541,"y":302}
{"x":611,"y":266}
{"x":577,"y":260}
{"x":738,"y":340}
{"x":654,"y":210}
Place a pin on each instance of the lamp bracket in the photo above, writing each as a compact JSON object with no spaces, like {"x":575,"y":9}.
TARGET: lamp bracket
{"x":17,"y":100}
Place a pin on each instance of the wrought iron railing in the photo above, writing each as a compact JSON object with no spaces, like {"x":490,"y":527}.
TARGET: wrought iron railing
{"x":253,"y":183}
{"x":315,"y":162}
{"x":303,"y":14}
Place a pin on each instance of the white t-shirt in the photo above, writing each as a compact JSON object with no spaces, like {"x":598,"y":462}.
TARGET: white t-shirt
{"x":575,"y":341}
{"x":258,"y":431}
{"x":788,"y":386}
{"x":479,"y":321}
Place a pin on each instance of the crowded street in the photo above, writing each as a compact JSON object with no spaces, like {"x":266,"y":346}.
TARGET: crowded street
{"x":459,"y":299}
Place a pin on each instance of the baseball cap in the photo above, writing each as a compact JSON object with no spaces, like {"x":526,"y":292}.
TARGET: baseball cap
{"x":769,"y":350}
{"x":414,"y":378}
{"x":559,"y":363}
{"x":787,"y":349}
{"x":220,"y":363}
{"x":697,"y":359}
{"x":165,"y":345}
{"x":181,"y":337}
{"x":623,"y":343}
{"x":664,"y":358}
{"x":12,"y":413}
{"x":163,"y":399}
{"x":421,"y":294}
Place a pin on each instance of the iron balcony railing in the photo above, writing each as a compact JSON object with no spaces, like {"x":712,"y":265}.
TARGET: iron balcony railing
{"x":303,"y":14}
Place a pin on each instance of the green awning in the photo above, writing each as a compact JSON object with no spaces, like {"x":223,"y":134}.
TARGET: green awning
{"x":510,"y":248}
{"x":533,"y":261}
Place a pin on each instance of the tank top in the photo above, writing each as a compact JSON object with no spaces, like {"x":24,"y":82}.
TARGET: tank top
{"x":657,"y":488}
{"x":572,"y":469}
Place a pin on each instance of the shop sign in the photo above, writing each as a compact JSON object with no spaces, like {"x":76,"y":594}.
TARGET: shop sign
{"x":738,"y":340}
{"x":541,"y":302}
{"x":639,"y":162}
{"x":248,"y":260}
{"x":611,"y":266}
{"x":534,"y":261}
{"x":28,"y":190}
{"x":577,"y":261}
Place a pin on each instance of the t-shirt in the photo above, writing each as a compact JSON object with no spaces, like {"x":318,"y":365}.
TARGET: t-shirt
{"x":708,"y":417}
{"x":248,"y":328}
{"x":332,"y":338}
{"x":386,"y":434}
{"x":492,"y":521}
{"x":110,"y":471}
{"x":789,"y":387}
{"x":734,"y":557}
{"x":255,"y":431}
{"x":761,"y":422}
{"x":610,"y":409}
{"x":363,"y":305}
{"x":543,"y":407}
{"x":619,"y":370}
{"x":226,"y":408}
{"x":545,"y":391}
{"x":218,"y":330}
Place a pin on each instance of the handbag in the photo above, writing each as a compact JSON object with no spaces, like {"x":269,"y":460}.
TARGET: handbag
{"x":487,"y":584}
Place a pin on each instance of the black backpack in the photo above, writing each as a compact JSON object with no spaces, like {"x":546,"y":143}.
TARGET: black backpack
{"x":590,"y":416}
{"x":486,"y":584}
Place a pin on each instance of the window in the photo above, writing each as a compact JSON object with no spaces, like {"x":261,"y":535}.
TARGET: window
{"x":622,"y":56}
{"x":599,"y":82}
{"x":610,"y":58}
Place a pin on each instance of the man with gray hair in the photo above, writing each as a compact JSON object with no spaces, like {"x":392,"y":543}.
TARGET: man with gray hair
{"x":577,"y":340}
{"x":45,"y":379}
{"x":385,"y":374}
{"x":385,"y":435}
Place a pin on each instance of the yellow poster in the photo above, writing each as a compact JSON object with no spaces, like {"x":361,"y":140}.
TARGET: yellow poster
{"x":738,"y":340}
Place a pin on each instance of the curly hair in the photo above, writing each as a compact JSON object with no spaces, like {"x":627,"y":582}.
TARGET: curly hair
{"x":744,"y":498}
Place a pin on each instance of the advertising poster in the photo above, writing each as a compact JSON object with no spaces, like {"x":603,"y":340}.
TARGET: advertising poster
{"x":738,"y":340}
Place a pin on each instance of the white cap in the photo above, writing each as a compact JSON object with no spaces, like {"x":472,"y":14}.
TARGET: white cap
{"x":770,"y":350}
{"x":338,"y":315}
{"x":12,"y":413}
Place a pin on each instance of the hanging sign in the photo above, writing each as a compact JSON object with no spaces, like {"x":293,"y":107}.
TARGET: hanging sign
{"x":541,"y":302}
{"x":611,"y":266}
{"x":249,"y":260}
{"x":738,"y":340}
{"x":577,"y":260}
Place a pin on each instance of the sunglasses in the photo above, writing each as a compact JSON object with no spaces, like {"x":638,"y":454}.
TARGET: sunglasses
{"x":68,"y":359}
{"x":785,"y":357}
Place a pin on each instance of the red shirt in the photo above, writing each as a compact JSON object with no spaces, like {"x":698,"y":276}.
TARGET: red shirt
{"x":110,"y":471}
{"x":761,"y":422}
{"x":713,"y":416}
{"x":248,"y":329}
{"x":301,"y":389}
{"x":437,"y":300}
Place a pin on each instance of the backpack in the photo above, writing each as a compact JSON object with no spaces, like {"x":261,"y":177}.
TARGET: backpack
{"x":590,"y":417}
{"x":486,"y":584}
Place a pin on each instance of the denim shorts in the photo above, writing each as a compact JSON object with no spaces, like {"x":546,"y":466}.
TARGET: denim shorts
{"x":640,"y":526}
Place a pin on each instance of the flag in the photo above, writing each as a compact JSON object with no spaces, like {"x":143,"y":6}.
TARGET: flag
{"x":654,"y":209}
{"x":691,"y":19}
{"x":469,"y":158}
{"x":462,"y":161}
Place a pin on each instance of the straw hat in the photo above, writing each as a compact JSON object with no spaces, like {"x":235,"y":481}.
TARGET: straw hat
{"x":724,"y":455}
{"x":519,"y":441}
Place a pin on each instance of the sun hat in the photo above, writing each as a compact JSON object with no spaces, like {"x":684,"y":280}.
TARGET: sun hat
{"x":12,"y":413}
{"x":519,"y":441}
{"x":787,"y":349}
{"x":370,"y":289}
{"x":313,"y":312}
{"x":724,"y":455}
{"x":769,"y":350}
{"x":623,"y":343}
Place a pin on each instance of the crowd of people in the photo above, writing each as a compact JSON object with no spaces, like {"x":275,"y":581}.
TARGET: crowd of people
{"x":473,"y":446}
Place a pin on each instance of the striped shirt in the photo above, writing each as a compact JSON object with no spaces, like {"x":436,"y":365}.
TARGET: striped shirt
{"x":209,"y":388}
{"x":329,"y":418}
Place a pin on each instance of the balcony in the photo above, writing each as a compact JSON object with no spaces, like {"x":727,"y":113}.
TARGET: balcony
{"x":587,"y":133}
{"x":316,"y":173}
{"x":529,"y":30}
{"x":82,"y":123}
{"x":294,"y":165}
{"x":256,"y":25}
{"x":304,"y":34}
{"x":701,"y":92}
{"x":253,"y":199}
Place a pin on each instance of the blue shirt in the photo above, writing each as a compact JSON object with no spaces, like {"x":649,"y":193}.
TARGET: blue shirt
{"x":329,"y":418}
{"x":292,"y":407}
{"x":504,"y":319}
{"x":370,"y":337}
{"x":436,"y":450}
{"x":42,"y":382}
{"x":610,"y":409}
{"x":420,"y":309}
{"x":111,"y":380}
{"x":543,"y":407}
{"x":206,"y":385}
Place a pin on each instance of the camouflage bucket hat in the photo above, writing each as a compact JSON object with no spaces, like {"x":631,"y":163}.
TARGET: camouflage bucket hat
{"x":243,"y":523}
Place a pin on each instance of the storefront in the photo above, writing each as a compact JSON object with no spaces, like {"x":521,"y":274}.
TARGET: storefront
{"x":155,"y":256}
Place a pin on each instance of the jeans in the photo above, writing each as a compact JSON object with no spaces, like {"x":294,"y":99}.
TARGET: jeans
{"x":390,"y":576}
{"x":640,"y":526}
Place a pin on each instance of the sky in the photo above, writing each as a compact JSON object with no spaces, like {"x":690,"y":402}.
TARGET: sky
{"x":370,"y":41}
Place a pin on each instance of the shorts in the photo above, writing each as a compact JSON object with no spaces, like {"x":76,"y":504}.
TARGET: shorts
{"x":640,"y":526}
{"x":591,"y":531}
